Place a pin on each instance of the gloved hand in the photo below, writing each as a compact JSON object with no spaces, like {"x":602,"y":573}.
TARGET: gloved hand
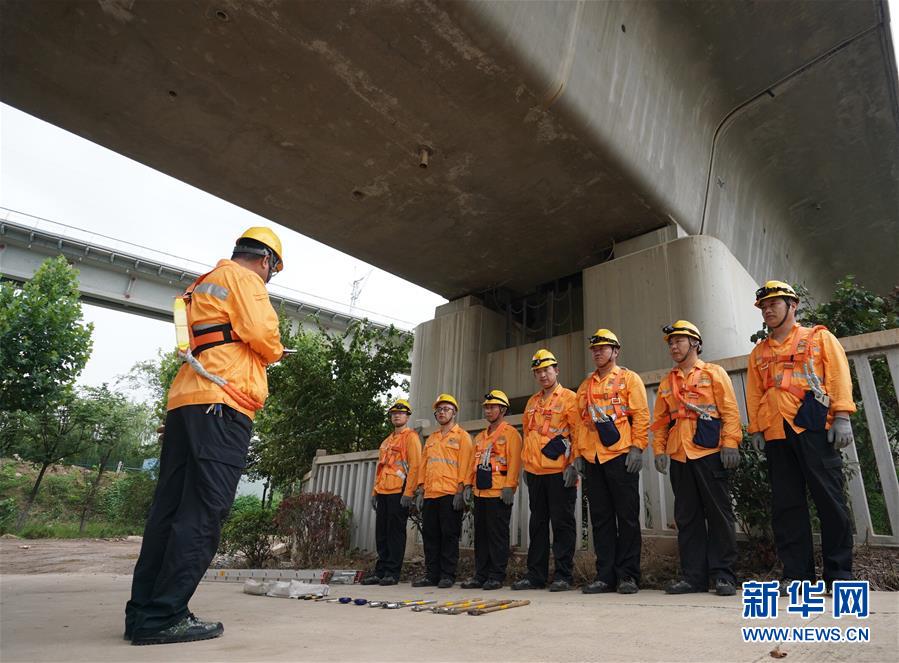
{"x":406,"y":501}
{"x":507,"y":495}
{"x":374,"y":502}
{"x":662,"y":461}
{"x":569,"y":476}
{"x":466,"y":494}
{"x":579,"y":465}
{"x":634,"y":461}
{"x":730,"y":458}
{"x":458,"y":501}
{"x":758,"y":442}
{"x":840,"y":433}
{"x":418,"y":500}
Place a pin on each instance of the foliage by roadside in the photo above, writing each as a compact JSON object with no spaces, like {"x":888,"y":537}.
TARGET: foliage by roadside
{"x":317,"y":526}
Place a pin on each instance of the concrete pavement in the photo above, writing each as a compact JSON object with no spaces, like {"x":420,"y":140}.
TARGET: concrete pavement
{"x":78,"y":617}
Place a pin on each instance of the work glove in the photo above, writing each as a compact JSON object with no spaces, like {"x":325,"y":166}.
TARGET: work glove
{"x":579,"y":465}
{"x":466,"y":494}
{"x":634,"y":461}
{"x":758,"y":442}
{"x":406,"y":501}
{"x":730,"y":458}
{"x":507,"y":495}
{"x":569,"y":476}
{"x":458,"y":501}
{"x":418,"y":501}
{"x":662,"y":461}
{"x":374,"y":502}
{"x":840,"y":433}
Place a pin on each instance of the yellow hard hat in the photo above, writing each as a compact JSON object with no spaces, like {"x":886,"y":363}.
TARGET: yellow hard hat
{"x":775,"y":289}
{"x":682,"y":328}
{"x":604,"y":337}
{"x":446,"y":398}
{"x":267,"y":237}
{"x":542,"y":359}
{"x":400,"y":405}
{"x":496,"y":397}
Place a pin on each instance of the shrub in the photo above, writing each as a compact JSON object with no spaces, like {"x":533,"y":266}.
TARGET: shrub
{"x":9,"y":510}
{"x":249,"y":531}
{"x":245,"y":503}
{"x":317,"y":525}
{"x":752,"y":497}
{"x":127,"y":501}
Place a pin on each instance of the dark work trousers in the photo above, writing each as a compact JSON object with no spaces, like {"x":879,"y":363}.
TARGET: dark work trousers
{"x":491,"y":538}
{"x":613,"y":495}
{"x":800,"y":460}
{"x":441,"y":527}
{"x":202,"y":458}
{"x":703,"y":511}
{"x":551,"y":503}
{"x":390,"y":535}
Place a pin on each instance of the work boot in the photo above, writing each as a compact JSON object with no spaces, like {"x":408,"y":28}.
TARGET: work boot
{"x":525,"y":583}
{"x":424,"y":582}
{"x":188,"y":629}
{"x":682,"y":587}
{"x":724,"y":587}
{"x":491,"y":585}
{"x":560,"y":586}
{"x":628,"y":586}
{"x":472,"y":583}
{"x":597,"y":587}
{"x":371,"y":580}
{"x":387,"y":581}
{"x":445,"y":583}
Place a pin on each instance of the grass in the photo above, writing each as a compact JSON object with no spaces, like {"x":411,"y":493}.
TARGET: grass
{"x":92,"y":530}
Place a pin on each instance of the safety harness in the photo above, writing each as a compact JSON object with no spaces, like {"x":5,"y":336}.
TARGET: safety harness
{"x":619,"y":410}
{"x":798,"y":356}
{"x":686,"y":409}
{"x":395,"y":458}
{"x":489,"y":458}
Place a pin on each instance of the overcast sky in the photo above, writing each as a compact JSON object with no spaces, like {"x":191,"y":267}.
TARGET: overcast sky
{"x":50,"y":173}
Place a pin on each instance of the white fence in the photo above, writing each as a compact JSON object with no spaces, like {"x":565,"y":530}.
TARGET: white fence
{"x":351,"y":475}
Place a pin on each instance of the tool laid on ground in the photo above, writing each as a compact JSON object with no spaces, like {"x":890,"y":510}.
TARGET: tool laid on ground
{"x":497,"y":608}
{"x":458,"y":610}
{"x":406,"y":604}
{"x":445,"y":604}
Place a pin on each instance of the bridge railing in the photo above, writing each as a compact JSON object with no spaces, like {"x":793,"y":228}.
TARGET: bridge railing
{"x":351,"y":475}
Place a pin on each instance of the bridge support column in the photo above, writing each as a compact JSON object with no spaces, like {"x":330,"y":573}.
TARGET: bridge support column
{"x":695,"y":278}
{"x":450,"y":355}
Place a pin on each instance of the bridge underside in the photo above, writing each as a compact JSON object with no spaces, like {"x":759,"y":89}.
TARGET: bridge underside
{"x":554,"y":130}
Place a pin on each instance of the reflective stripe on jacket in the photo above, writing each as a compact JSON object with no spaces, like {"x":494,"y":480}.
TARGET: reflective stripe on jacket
{"x":505,"y":459}
{"x":398,"y":459}
{"x":708,"y":386}
{"x":767,"y":407}
{"x":445,"y":462}
{"x":631,"y":418}
{"x":235,"y":295}
{"x":543,"y":419}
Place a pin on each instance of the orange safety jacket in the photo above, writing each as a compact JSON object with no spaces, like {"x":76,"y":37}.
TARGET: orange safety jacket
{"x":707,"y":386}
{"x":621,"y":396}
{"x":505,"y":459}
{"x":777,"y":378}
{"x":445,"y":462}
{"x":543,"y":419}
{"x":398,"y":459}
{"x":235,"y":328}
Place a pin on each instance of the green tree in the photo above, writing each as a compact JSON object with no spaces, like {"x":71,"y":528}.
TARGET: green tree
{"x":331,"y":394}
{"x":155,"y":375}
{"x":116,"y":427}
{"x":44,"y":344}
{"x":49,"y":436}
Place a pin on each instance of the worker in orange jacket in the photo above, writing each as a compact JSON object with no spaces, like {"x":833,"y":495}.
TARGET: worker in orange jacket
{"x":550,"y":425}
{"x":696,"y":424}
{"x":494,"y":477}
{"x":233,"y":337}
{"x":391,"y":495}
{"x":799,"y":397}
{"x":615,"y":423}
{"x":442,"y":476}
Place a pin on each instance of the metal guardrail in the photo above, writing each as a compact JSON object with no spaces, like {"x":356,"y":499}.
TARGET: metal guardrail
{"x":351,"y":475}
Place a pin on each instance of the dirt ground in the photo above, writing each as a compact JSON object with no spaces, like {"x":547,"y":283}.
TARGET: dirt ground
{"x":25,"y":556}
